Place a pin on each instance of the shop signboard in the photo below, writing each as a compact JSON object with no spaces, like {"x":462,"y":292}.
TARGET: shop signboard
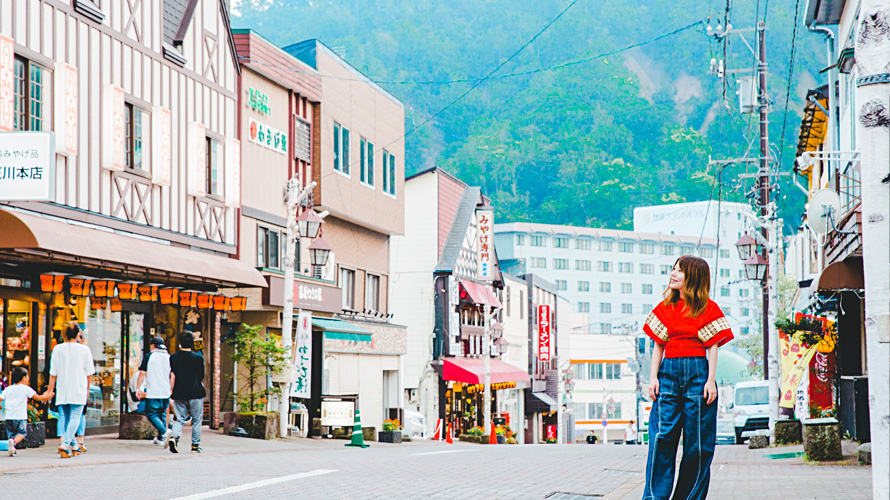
{"x":484,"y":245}
{"x":302,"y":359}
{"x":551,"y":432}
{"x":65,"y":101}
{"x":337,"y":413}
{"x":544,"y":332}
{"x":454,"y":345}
{"x":311,"y":296}
{"x":27,"y":166}
{"x":267,"y":137}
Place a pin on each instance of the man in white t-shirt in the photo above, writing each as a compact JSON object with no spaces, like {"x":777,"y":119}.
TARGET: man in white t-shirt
{"x":155,"y":373}
{"x":70,"y":370}
{"x":630,"y":433}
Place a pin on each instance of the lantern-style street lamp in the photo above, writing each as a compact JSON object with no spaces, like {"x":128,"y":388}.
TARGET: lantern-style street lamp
{"x":746,"y":246}
{"x":319,"y":251}
{"x":308,"y":224}
{"x":755,"y":267}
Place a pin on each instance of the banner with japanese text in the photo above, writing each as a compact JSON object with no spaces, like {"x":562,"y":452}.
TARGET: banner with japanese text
{"x":544,"y":332}
{"x":27,"y":166}
{"x":484,"y":245}
{"x":302,"y":357}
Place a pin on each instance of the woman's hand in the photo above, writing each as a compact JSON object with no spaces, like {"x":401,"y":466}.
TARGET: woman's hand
{"x":653,"y":389}
{"x":710,"y":391}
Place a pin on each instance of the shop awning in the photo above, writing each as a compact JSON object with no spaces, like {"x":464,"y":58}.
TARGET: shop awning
{"x":337,"y":329}
{"x":479,"y":294}
{"x":539,"y":402}
{"x":79,"y":244}
{"x":843,"y":275}
{"x":472,"y":371}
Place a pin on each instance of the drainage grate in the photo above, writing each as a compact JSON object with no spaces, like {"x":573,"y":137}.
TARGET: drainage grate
{"x":560,"y":495}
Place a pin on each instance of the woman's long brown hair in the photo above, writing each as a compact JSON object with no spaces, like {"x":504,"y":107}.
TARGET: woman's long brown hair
{"x":696,"y":287}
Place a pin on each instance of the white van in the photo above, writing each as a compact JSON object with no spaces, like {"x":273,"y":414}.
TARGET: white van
{"x":750,"y":407}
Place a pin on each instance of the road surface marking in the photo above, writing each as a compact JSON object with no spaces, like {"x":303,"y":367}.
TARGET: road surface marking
{"x":439,"y":452}
{"x":255,"y":484}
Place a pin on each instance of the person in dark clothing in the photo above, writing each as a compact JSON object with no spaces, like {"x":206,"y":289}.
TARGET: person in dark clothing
{"x":188,"y":391}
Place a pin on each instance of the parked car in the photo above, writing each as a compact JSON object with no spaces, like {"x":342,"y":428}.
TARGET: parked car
{"x":750,"y":408}
{"x":725,"y":431}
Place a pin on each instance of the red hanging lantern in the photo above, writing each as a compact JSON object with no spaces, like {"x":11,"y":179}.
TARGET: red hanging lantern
{"x":116,"y":304}
{"x":168,"y":295}
{"x":147,"y":292}
{"x":52,"y":282}
{"x":127,"y":290}
{"x":79,"y":286}
{"x":104,"y":288}
{"x":221,"y":303}
{"x":205,"y":301}
{"x":188,"y":298}
{"x":97,"y":303}
{"x":239,"y":303}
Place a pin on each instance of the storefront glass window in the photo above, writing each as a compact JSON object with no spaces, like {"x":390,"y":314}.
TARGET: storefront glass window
{"x":17,"y":334}
{"x":103,"y":337}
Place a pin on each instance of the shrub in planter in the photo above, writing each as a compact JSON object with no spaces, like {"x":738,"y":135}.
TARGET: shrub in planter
{"x":258,"y":425}
{"x":391,"y":433}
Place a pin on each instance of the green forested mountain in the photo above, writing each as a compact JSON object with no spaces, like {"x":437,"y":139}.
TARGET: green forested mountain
{"x":580,"y":144}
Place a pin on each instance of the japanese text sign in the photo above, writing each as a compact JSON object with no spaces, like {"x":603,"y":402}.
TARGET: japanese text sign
{"x":27,"y":166}
{"x":66,"y":108}
{"x":162,"y":137}
{"x":484,"y":244}
{"x":7,"y":77}
{"x":267,"y":137}
{"x":302,"y":384}
{"x":544,"y":332}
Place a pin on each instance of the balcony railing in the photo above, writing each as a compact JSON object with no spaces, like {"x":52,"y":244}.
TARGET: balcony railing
{"x":846,"y":241}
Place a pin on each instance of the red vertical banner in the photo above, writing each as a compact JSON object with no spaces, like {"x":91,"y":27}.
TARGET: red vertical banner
{"x":544,"y":332}
{"x":7,"y":89}
{"x":551,"y":432}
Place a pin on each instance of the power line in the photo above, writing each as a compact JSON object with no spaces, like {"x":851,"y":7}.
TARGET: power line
{"x":788,"y":82}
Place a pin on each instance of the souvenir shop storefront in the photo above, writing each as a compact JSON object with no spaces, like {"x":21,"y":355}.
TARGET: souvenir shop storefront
{"x":464,"y":392}
{"x":121,"y":291}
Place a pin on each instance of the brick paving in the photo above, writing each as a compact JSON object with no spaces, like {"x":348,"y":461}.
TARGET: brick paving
{"x":419,"y":470}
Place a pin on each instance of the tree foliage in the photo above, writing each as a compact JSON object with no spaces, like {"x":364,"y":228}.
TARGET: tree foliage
{"x":256,"y":356}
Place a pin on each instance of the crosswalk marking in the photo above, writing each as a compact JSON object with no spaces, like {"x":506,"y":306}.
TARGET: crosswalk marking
{"x":255,"y":484}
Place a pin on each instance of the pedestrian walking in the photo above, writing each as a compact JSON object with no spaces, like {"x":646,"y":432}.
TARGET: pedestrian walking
{"x":155,"y":373}
{"x":630,"y":433}
{"x":70,"y":371}
{"x":687,"y":328}
{"x":188,"y":391}
{"x":15,"y":403}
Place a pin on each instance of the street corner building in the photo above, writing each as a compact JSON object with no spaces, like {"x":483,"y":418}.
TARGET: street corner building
{"x":121,"y":123}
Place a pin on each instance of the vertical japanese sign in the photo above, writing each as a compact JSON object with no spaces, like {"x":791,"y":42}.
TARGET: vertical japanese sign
{"x":544,"y":332}
{"x":7,"y":91}
{"x":114,"y":116}
{"x":236,"y":172}
{"x":162,"y":137}
{"x":66,"y":108}
{"x":484,"y":244}
{"x":197,"y":164}
{"x":27,"y":166}
{"x":302,"y":384}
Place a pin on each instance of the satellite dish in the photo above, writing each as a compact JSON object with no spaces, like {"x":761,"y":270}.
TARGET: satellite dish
{"x":825,"y":203}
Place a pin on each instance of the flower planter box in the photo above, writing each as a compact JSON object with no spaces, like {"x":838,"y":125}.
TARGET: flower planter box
{"x":390,"y":437}
{"x":136,"y":426}
{"x":368,"y":433}
{"x":502,"y":439}
{"x":257,"y":425}
{"x":822,"y":439}
{"x":788,"y":432}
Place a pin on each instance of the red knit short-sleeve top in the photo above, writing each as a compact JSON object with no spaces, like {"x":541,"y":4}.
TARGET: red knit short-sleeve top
{"x":682,"y":336}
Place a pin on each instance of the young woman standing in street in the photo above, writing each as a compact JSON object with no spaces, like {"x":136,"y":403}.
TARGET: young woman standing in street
{"x":687,"y":328}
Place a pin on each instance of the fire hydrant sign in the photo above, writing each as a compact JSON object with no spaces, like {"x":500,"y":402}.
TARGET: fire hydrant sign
{"x":27,"y":166}
{"x":544,"y":332}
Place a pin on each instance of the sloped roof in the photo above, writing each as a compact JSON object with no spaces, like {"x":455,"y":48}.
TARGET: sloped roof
{"x":462,"y":220}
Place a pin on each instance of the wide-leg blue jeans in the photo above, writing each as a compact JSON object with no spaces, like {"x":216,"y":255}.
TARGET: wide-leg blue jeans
{"x":681,"y":407}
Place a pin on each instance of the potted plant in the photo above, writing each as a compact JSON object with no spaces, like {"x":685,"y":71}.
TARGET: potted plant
{"x":256,"y":356}
{"x":391,"y":433}
{"x":475,"y":433}
{"x":36,"y":427}
{"x":501,"y":435}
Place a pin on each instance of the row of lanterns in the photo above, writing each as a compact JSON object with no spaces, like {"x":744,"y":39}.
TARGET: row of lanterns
{"x":104,"y":290}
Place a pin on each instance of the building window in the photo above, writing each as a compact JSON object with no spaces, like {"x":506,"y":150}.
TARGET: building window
{"x":582,"y":265}
{"x":613,"y":371}
{"x":724,"y":273}
{"x":707,"y":252}
{"x":741,"y":274}
{"x":595,"y":410}
{"x":648,"y":307}
{"x":366,"y":153}
{"x":667,"y":249}
{"x":746,"y":311}
{"x":562,"y":285}
{"x":538,"y":263}
{"x":583,"y":307}
{"x":341,"y":148}
{"x":627,"y":247}
{"x":688,"y":250}
{"x":582,"y":244}
{"x":537,"y":240}
{"x":605,"y":287}
{"x":269,"y":248}
{"x":746,"y":330}
{"x":626,"y":308}
{"x":594,"y":371}
{"x":389,"y":173}
{"x":214,"y":167}
{"x":32,"y":96}
{"x":666,"y":270}
{"x":560,"y":242}
{"x":605,"y":307}
{"x":625,"y":267}
{"x":604,"y":266}
{"x":605,"y":245}
{"x":724,"y":291}
{"x":560,"y":263}
{"x":724,"y":254}
{"x":137,"y":129}
{"x":647,"y":289}
{"x":727,"y":311}
{"x":372,"y":292}
{"x":579,"y":374}
{"x":647,"y":248}
{"x":522,"y":304}
{"x":347,"y":285}
{"x":647,"y":268}
{"x":743,"y":292}
{"x":583,"y":286}
{"x":626,"y":288}
{"x":606,"y":328}
{"x":520,"y":240}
